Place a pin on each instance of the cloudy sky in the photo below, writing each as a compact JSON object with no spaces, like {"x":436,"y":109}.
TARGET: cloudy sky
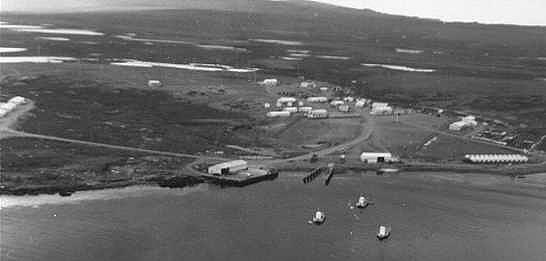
{"x":524,"y":12}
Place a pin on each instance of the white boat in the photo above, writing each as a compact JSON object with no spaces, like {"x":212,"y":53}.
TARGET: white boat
{"x":319,"y":217}
{"x":362,"y":202}
{"x":384,"y":232}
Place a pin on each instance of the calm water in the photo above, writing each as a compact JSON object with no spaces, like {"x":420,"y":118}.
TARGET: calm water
{"x":451,"y":218}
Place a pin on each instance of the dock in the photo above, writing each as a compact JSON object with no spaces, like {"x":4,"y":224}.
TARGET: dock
{"x":242,"y":178}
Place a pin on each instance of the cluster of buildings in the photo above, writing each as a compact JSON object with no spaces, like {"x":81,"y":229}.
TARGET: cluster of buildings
{"x":465,"y":122}
{"x":496,"y":158}
{"x":7,"y":107}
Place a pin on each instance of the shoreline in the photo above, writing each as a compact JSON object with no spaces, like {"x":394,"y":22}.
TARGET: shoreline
{"x":190,"y":179}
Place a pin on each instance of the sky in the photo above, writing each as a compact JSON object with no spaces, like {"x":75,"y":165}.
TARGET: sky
{"x":522,"y":12}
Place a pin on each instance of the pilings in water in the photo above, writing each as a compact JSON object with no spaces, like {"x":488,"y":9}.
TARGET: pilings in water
{"x":318,"y":171}
{"x":313,"y":174}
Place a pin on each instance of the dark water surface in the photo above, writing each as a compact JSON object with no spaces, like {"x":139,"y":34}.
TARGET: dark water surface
{"x":447,"y":218}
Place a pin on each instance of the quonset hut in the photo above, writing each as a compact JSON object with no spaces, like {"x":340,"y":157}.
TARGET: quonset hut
{"x":495,"y":158}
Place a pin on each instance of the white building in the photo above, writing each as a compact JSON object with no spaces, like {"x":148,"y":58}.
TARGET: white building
{"x":154,"y":83}
{"x":305,"y":109}
{"x":284,"y":100}
{"x":377,"y":157}
{"x":348,"y":99}
{"x":317,"y":99}
{"x":274,"y":114}
{"x":290,"y":109}
{"x":270,"y":82}
{"x":381,"y":108}
{"x":228,"y":167}
{"x":317,"y":114}
{"x":267,"y":105}
{"x":337,"y":103}
{"x":308,"y":84}
{"x":496,"y":158}
{"x":323,"y":89}
{"x":344,"y":108}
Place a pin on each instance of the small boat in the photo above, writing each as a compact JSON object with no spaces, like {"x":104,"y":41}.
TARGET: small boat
{"x":362,"y":202}
{"x":319,"y":218}
{"x":384,"y":232}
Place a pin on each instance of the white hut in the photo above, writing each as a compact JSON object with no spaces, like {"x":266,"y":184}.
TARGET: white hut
{"x":154,"y":83}
{"x":317,"y":114}
{"x":290,"y":109}
{"x":377,"y":157}
{"x":284,"y":100}
{"x":337,"y":103}
{"x":381,"y":108}
{"x":270,"y":82}
{"x":274,"y":114}
{"x":305,"y":109}
{"x":308,"y":84}
{"x":317,"y":99}
{"x":348,"y":99}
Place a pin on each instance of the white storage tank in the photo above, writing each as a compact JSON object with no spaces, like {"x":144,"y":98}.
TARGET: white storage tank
{"x":229,"y":167}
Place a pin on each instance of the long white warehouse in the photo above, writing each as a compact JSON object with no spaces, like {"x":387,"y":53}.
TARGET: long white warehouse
{"x":377,"y":157}
{"x":496,"y":158}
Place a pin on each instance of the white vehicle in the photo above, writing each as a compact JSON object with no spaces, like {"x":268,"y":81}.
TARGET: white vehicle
{"x":319,"y":217}
{"x":362,"y":202}
{"x":384,"y":232}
